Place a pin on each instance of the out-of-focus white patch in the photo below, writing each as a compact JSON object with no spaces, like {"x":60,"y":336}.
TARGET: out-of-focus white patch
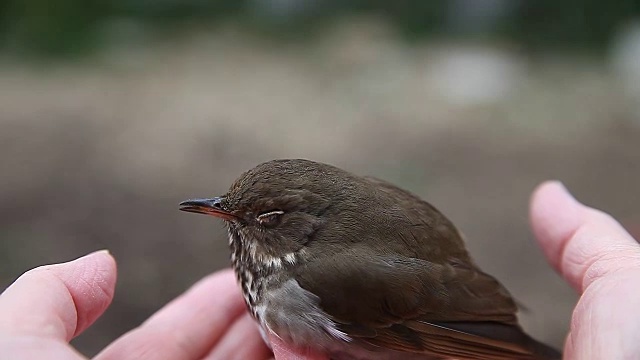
{"x":474,"y":75}
{"x":625,"y":63}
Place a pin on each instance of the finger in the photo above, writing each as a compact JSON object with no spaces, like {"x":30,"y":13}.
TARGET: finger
{"x":186,"y":328}
{"x":30,"y":347}
{"x":59,"y":301}
{"x":283,"y":351}
{"x":582,"y":243}
{"x":605,"y":322}
{"x":242,"y":341}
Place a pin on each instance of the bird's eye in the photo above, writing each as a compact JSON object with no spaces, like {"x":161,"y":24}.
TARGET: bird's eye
{"x":269,"y":217}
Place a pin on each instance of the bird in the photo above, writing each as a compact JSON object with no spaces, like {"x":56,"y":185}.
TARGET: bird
{"x":357,"y":268}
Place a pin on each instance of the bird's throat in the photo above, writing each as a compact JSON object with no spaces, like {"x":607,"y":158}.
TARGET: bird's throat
{"x":255,"y":269}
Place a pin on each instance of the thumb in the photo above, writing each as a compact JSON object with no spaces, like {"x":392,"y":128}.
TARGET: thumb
{"x":582,"y":243}
{"x":59,"y":301}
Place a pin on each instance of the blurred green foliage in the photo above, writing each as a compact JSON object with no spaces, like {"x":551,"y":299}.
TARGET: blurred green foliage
{"x":69,"y":27}
{"x":588,"y":23}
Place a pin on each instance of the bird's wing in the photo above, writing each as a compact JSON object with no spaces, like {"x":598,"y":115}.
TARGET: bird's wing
{"x":413,"y":305}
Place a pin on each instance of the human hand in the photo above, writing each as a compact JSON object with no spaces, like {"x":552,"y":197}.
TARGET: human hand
{"x":601,"y":261}
{"x":209,"y":321}
{"x":48,"y":306}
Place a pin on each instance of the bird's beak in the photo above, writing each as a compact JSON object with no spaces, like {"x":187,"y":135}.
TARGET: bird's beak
{"x":211,"y":207}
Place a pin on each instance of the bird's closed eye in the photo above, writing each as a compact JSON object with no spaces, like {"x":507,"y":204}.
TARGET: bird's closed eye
{"x":269,"y":217}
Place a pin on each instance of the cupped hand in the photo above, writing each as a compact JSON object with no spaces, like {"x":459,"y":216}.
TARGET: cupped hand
{"x":596,"y":256}
{"x":48,"y":306}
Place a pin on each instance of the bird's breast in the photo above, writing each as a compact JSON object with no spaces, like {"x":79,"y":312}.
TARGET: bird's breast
{"x":255,"y":270}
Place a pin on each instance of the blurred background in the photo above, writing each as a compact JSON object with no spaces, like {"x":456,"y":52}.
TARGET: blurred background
{"x":113,"y":112}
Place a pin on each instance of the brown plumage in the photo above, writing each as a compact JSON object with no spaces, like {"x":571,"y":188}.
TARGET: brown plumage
{"x":360,"y":268}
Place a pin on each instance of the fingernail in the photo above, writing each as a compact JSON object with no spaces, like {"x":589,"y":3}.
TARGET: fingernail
{"x":99,"y":252}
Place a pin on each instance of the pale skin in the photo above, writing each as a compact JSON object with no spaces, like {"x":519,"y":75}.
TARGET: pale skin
{"x":48,"y":306}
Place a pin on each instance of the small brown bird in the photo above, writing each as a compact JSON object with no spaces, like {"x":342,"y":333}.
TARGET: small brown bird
{"x":358,"y":268}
